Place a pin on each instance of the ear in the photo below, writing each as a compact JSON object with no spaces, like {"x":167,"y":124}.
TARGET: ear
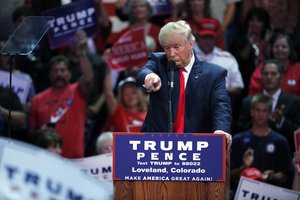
{"x":192,"y":43}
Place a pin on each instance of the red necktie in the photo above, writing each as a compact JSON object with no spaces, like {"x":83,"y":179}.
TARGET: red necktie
{"x":179,"y":120}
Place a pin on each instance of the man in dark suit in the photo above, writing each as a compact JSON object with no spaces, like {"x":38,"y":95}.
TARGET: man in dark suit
{"x":206,"y":103}
{"x":285,"y":116}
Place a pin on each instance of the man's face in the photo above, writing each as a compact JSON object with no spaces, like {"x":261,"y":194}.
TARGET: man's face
{"x":59,"y":75}
{"x":178,"y":49}
{"x":207,"y":43}
{"x":260,"y":113}
{"x":270,"y":77}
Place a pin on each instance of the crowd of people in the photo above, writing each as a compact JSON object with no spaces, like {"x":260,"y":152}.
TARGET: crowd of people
{"x":75,"y":100}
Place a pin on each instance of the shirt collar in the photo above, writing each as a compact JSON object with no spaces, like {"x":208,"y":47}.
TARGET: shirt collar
{"x":275,"y":96}
{"x":188,"y":68}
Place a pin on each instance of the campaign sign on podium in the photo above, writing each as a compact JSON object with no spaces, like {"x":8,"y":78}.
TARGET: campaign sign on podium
{"x":169,"y":157}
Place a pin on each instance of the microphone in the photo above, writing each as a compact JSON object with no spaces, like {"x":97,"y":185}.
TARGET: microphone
{"x":171,"y":67}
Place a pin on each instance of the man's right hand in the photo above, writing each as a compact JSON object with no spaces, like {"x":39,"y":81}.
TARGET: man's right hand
{"x":152,"y":82}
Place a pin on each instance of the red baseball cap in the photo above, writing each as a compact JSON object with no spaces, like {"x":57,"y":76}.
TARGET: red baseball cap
{"x":251,"y":173}
{"x":209,"y":26}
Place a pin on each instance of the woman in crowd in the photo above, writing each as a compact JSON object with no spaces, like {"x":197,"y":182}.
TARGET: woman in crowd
{"x":251,"y":48}
{"x":127,"y":111}
{"x":282,"y":49}
{"x":140,"y":12}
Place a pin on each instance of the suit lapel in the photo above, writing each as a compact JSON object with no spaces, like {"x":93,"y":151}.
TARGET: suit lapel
{"x":281,"y":100}
{"x":194,"y":78}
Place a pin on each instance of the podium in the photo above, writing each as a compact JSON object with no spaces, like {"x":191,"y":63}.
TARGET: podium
{"x":174,"y":190}
{"x":167,"y":190}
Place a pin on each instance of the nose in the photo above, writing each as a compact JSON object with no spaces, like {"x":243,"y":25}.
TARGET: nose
{"x":269,"y":75}
{"x":172,"y":52}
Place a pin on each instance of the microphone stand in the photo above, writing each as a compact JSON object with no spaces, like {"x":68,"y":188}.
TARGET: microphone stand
{"x":171,"y":68}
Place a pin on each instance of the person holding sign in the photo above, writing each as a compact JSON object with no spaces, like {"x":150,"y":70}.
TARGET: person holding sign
{"x":139,"y":12}
{"x":262,"y":148}
{"x":63,"y":105}
{"x":200,"y":103}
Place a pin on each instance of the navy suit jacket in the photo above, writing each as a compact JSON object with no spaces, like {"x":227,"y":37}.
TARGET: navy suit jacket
{"x":207,"y":104}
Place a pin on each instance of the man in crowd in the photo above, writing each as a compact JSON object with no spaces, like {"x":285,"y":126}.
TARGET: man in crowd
{"x":206,"y":49}
{"x":261,"y":149}
{"x":285,"y":115}
{"x":63,"y":105}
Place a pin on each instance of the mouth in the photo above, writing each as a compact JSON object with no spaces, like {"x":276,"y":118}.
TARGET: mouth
{"x":59,"y":80}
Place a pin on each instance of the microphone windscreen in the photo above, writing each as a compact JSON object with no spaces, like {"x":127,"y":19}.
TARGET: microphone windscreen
{"x":171,"y":65}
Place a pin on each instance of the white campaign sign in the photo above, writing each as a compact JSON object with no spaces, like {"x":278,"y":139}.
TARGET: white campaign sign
{"x":252,"y":189}
{"x":28,"y":172}
{"x":99,"y":167}
{"x":20,"y":85}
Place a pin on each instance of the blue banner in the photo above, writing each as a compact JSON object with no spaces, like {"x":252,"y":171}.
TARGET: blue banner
{"x":80,"y":15}
{"x":169,"y":157}
{"x":161,"y":7}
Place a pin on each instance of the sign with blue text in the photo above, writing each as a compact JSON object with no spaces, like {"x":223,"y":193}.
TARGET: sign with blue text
{"x":161,"y":7}
{"x":253,"y":189}
{"x":69,"y":18}
{"x":169,"y":157}
{"x":30,"y":173}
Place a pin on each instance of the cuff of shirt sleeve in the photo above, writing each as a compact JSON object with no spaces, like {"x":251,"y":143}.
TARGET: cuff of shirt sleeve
{"x":220,"y":131}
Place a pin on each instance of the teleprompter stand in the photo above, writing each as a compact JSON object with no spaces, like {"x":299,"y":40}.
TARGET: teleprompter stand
{"x":22,"y":42}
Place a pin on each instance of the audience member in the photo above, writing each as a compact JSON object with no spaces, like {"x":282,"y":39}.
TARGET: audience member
{"x":104,"y":143}
{"x":193,"y":12}
{"x":281,"y":49}
{"x":128,"y":111}
{"x":49,"y":139}
{"x":121,"y":10}
{"x":205,"y":49}
{"x":250,"y":49}
{"x":26,"y":78}
{"x":105,"y":26}
{"x":285,"y":113}
{"x":7,"y":25}
{"x":64,"y":104}
{"x":283,"y":13}
{"x":98,"y":65}
{"x":96,"y":116}
{"x":140,"y":12}
{"x":224,"y":11}
{"x":18,"y":116}
{"x":262,"y":148}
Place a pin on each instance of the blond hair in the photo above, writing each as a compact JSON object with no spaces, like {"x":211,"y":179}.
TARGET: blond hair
{"x":179,"y":27}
